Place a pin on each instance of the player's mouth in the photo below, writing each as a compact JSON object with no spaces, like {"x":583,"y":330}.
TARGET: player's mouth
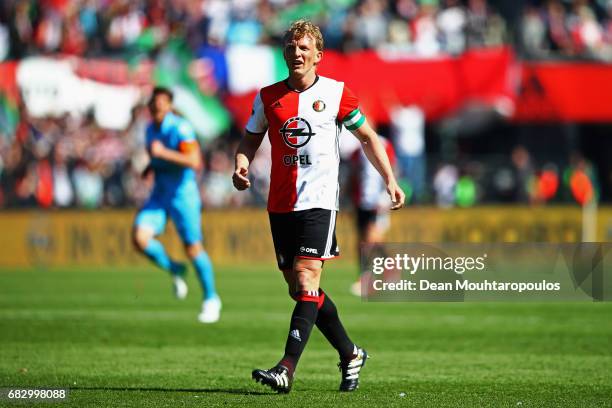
{"x":297,"y":64}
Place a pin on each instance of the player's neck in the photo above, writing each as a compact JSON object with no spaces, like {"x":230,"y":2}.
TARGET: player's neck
{"x":303,"y":82}
{"x":159,"y":119}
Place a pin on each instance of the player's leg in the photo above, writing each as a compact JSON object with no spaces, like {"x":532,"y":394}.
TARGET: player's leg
{"x":315,"y":242}
{"x":352,"y":357}
{"x":211,"y":304}
{"x":279,"y":378}
{"x":188,"y":221}
{"x":204,"y":269}
{"x":307,"y":237}
{"x":149,"y":223}
{"x":366,"y":233}
{"x":302,"y":279}
{"x":307,"y":273}
{"x":363,"y":221}
{"x":328,"y":322}
{"x":371,"y":227}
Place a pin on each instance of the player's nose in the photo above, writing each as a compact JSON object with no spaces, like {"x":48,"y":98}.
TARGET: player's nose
{"x":296,"y":52}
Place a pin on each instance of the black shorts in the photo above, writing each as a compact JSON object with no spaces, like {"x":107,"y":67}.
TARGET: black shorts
{"x":365,"y":217}
{"x":368,"y":217}
{"x":305,"y":234}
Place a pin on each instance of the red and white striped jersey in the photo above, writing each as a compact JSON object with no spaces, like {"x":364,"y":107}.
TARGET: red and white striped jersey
{"x":369,"y":189}
{"x":304,"y":128}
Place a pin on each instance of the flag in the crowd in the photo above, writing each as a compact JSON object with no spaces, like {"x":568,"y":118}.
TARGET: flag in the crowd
{"x":9,"y":115}
{"x":9,"y":98}
{"x":252,"y":68}
{"x":205,"y":112}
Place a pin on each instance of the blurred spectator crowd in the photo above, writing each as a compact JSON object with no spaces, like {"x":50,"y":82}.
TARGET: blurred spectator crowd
{"x":572,"y":28}
{"x":576,"y":29}
{"x":102,"y":27}
{"x":67,"y":162}
{"x":517,"y":178}
{"x":71,"y":162}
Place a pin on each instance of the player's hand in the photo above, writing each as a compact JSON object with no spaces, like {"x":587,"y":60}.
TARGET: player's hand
{"x":240,"y":180}
{"x":157,"y":149}
{"x":397,"y":195}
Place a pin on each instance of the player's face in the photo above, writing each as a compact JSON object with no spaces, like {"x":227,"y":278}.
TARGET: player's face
{"x":159,"y":107}
{"x":301,"y":56}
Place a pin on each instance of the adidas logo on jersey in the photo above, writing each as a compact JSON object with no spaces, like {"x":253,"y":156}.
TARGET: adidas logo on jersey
{"x":295,"y":334}
{"x":276,"y":104}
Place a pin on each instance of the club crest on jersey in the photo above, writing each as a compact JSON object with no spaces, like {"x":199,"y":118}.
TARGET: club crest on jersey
{"x":296,"y":132}
{"x":318,"y":105}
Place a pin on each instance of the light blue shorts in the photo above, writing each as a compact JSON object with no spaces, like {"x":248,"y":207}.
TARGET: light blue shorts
{"x":185,"y":214}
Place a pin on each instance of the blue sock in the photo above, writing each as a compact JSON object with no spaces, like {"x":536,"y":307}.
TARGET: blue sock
{"x":156,"y":252}
{"x":204,"y":269}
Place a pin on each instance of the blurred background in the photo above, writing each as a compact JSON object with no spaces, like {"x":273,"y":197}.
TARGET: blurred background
{"x":498,"y":111}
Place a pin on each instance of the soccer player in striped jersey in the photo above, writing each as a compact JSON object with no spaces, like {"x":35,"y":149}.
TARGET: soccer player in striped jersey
{"x":368,"y":196}
{"x":303,"y":116}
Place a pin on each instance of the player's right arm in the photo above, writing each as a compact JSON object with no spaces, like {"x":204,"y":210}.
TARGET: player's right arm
{"x":255,"y":132}
{"x":244,"y":156}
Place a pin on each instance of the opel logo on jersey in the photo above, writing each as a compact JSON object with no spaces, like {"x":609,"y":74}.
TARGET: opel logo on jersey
{"x":296,"y":132}
{"x":318,"y":105}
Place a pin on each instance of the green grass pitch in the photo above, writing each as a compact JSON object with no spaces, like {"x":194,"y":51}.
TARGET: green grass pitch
{"x":118,"y":338}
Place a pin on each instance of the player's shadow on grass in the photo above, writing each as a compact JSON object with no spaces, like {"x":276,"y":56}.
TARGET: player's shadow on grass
{"x":159,"y":389}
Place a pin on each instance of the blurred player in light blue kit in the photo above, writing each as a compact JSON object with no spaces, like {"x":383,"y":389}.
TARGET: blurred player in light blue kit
{"x":175,"y":158}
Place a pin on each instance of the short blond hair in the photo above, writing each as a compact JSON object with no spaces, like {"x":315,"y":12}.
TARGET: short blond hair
{"x":301,"y":28}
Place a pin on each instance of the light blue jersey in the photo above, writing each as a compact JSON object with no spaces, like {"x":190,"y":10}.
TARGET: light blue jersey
{"x":175,"y":191}
{"x":172,"y":180}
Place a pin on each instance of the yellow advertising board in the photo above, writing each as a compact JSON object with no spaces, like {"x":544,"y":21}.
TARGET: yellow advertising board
{"x":102,"y":238}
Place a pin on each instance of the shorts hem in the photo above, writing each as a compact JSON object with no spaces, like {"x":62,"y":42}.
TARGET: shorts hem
{"x":318,"y":259}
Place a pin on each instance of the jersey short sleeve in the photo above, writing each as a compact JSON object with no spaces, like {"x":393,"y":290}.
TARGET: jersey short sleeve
{"x":348,"y":112}
{"x":185,"y":132}
{"x":186,"y":136}
{"x":257,"y":122}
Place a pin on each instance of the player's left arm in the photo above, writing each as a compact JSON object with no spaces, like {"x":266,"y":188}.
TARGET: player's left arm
{"x":188,"y":153}
{"x":377,"y":155}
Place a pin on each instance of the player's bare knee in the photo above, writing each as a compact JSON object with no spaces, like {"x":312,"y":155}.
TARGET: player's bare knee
{"x":193,"y":250}
{"x":140,"y":238}
{"x":308,"y":274}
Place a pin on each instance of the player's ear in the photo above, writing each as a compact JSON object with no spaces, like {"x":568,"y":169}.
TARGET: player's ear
{"x":318,"y":57}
